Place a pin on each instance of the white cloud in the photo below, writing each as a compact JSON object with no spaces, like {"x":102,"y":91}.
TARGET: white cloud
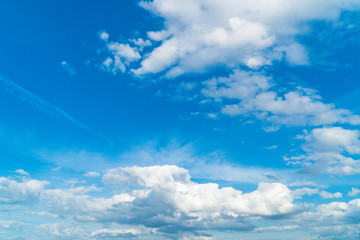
{"x":354,"y":192}
{"x":122,"y":55}
{"x":298,"y":193}
{"x":329,"y":149}
{"x":163,"y":202}
{"x":334,"y":139}
{"x":115,"y":234}
{"x":254,"y":96}
{"x":325,"y":194}
{"x":22,"y":172}
{"x":63,"y":230}
{"x":199,"y":34}
{"x":15,"y":225}
{"x":26,"y":192}
{"x":176,"y":188}
{"x":164,"y":197}
{"x":305,"y":191}
{"x":68,"y":68}
{"x":91,"y":174}
{"x":212,"y":166}
{"x":277,"y":228}
{"x":141,"y":43}
{"x":104,"y":35}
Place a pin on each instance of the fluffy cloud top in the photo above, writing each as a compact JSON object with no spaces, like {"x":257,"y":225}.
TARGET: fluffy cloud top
{"x":198,"y":34}
{"x":163,"y":201}
{"x":329,"y":149}
{"x":161,"y":198}
{"x":27,"y":191}
{"x":174,"y":186}
{"x":255,"y":96}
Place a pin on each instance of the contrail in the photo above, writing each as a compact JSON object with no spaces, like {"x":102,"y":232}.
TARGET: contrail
{"x":41,"y":105}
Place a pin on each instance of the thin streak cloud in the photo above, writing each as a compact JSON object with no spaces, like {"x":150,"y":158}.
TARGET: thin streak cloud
{"x":42,"y":106}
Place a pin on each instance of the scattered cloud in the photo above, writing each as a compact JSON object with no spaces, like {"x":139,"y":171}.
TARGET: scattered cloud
{"x":91,"y":174}
{"x":241,"y":33}
{"x":122,"y":55}
{"x":162,"y":198}
{"x":198,"y":35}
{"x":253,"y":95}
{"x":329,"y":149}
{"x":325,"y":194}
{"x":22,"y":172}
{"x":104,"y":35}
{"x":15,"y":225}
{"x":164,"y":201}
{"x":27,"y":191}
{"x":68,"y":68}
{"x":354,"y":192}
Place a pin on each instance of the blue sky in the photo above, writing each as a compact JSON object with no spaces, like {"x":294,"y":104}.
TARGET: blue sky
{"x":191,"y":119}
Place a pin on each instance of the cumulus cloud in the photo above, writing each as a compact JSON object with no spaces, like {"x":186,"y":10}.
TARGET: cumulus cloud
{"x":122,"y":55}
{"x":298,"y":193}
{"x":354,"y":192}
{"x":22,"y":172}
{"x":163,"y":199}
{"x":104,"y":35}
{"x":253,"y":95}
{"x":201,"y":201}
{"x":329,"y":149}
{"x":305,"y":191}
{"x":26,"y":192}
{"x":326,"y":195}
{"x":200,"y":34}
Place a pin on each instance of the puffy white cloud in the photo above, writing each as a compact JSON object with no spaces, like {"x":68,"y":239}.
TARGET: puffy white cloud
{"x":253,"y":93}
{"x":311,"y":191}
{"x":163,"y":201}
{"x":199,"y":34}
{"x":325,"y":194}
{"x":329,"y":149}
{"x":305,"y":191}
{"x":104,"y":36}
{"x":165,"y":198}
{"x":174,"y":186}
{"x":354,"y":192}
{"x":122,"y":55}
{"x":335,"y":139}
{"x":26,"y":192}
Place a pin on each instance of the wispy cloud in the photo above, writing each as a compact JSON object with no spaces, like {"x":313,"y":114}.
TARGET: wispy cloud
{"x":37,"y":103}
{"x":41,"y":105}
{"x":68,"y":68}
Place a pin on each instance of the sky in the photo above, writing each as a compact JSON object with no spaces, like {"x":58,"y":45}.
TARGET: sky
{"x":184,"y":120}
